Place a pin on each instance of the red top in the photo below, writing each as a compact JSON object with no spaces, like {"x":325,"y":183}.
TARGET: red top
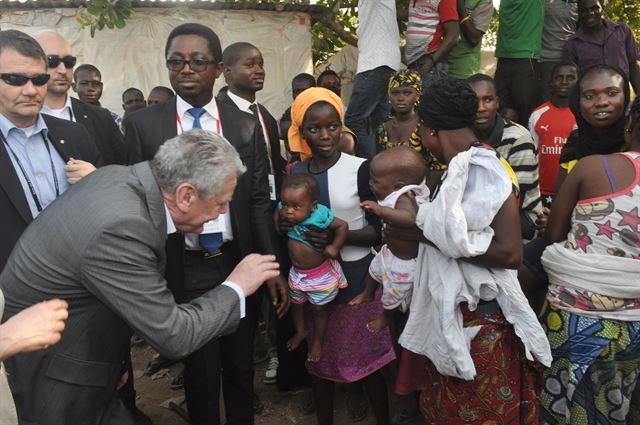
{"x":550,"y":127}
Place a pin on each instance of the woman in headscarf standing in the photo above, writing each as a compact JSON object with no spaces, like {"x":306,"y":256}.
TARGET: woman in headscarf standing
{"x":600,"y":119}
{"x":350,"y":352}
{"x":403,"y":129}
{"x":592,"y":309}
{"x":461,"y":351}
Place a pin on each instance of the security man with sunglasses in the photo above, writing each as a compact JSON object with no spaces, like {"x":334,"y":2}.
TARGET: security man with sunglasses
{"x":98,"y":121}
{"x":34,"y":148}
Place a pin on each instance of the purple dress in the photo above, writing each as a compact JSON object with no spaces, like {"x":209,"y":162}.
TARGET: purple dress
{"x":350,"y":352}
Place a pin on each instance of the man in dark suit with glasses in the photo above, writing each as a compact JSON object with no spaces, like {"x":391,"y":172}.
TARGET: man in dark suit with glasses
{"x":197,"y":263}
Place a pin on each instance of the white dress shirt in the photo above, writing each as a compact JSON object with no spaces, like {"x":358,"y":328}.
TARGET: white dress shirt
{"x":64,"y":113}
{"x":39,"y":161}
{"x":210,"y":120}
{"x":171,"y":228}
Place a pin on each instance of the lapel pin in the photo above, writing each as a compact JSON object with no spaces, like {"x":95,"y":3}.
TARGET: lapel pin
{"x":84,"y":116}
{"x":62,"y":141}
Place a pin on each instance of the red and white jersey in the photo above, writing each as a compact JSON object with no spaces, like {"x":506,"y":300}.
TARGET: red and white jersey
{"x":550,"y":127}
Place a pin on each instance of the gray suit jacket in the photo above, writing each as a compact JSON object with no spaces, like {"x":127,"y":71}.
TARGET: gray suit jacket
{"x":100,"y":247}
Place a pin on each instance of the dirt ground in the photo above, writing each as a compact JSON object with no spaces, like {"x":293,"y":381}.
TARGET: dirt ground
{"x":279,"y":408}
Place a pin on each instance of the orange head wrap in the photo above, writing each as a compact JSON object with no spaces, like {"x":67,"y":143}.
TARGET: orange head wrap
{"x":299,"y":108}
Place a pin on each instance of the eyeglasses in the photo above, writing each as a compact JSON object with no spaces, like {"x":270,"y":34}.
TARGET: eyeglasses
{"x":20,"y":80}
{"x":54,"y":60}
{"x":197,"y":65}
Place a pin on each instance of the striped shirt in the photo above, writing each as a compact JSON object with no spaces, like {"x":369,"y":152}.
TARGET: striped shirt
{"x":517,"y":146}
{"x":425,"y":30}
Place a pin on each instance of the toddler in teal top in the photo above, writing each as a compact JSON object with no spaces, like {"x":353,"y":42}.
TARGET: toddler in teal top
{"x":316,"y":274}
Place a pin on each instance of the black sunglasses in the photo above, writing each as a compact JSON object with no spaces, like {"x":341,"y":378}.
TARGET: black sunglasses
{"x":20,"y":80}
{"x":197,"y":65}
{"x":54,"y":60}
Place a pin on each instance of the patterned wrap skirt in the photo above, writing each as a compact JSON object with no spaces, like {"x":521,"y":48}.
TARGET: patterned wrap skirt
{"x":594,"y":371}
{"x":505,"y":390}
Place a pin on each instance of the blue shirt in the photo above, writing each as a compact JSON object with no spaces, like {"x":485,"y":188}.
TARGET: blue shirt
{"x":36,"y":161}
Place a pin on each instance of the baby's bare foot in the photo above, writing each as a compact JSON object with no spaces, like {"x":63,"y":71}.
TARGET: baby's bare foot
{"x":295,"y":341}
{"x":362,"y":297}
{"x":316,"y":351}
{"x":378,"y":324}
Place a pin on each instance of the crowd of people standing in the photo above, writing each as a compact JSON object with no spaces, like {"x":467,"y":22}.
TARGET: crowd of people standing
{"x":470,"y":241}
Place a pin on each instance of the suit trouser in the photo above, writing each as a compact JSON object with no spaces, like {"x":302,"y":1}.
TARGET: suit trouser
{"x":518,"y":86}
{"x":229,"y":357}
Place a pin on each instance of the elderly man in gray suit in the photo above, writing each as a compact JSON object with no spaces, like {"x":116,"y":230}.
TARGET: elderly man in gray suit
{"x":100,"y":247}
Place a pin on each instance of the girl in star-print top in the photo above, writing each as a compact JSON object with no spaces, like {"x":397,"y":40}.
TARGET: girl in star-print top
{"x":592,"y":311}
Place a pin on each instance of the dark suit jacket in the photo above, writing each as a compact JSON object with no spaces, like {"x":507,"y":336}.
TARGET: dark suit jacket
{"x":251,"y":208}
{"x":103,"y":130}
{"x":274,"y":137}
{"x":100,"y":247}
{"x":70,"y":140}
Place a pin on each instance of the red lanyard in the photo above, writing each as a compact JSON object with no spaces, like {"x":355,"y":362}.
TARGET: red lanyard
{"x":266,"y":139}
{"x":218,"y":129}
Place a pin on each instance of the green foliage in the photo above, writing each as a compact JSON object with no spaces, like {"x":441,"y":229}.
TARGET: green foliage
{"x":627,"y":11}
{"x":334,"y":30}
{"x":104,"y":13}
{"x":325,"y":41}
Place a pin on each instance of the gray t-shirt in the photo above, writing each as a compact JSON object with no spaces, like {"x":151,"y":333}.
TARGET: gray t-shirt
{"x":560,"y":18}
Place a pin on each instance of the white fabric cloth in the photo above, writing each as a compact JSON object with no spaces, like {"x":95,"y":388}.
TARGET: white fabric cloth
{"x":396,"y":276}
{"x":457,"y":222}
{"x":378,"y":35}
{"x":421,"y":192}
{"x":603,"y":274}
{"x":8,"y":415}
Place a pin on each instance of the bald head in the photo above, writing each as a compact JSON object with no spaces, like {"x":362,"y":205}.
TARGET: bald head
{"x":401,"y":164}
{"x":59,"y":54}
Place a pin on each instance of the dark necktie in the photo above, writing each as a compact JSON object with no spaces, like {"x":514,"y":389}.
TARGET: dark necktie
{"x":259,"y":133}
{"x":209,"y":241}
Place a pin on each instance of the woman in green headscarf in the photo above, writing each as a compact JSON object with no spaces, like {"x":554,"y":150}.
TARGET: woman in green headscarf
{"x":403,"y":129}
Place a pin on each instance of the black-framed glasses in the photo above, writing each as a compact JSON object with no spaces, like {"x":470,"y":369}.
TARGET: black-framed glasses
{"x":197,"y":65}
{"x":20,"y":80}
{"x":54,"y":60}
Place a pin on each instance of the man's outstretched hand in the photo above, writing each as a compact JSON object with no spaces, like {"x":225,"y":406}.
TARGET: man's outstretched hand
{"x":253,"y":271}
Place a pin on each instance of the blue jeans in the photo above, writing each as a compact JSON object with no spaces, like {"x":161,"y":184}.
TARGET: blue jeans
{"x":369,"y":107}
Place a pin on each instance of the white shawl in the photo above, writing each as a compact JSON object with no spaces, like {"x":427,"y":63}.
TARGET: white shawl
{"x":457,"y":222}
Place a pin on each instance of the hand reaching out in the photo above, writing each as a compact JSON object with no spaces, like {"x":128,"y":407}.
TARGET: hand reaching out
{"x":253,"y":271}
{"x":34,"y":328}
{"x":370,"y":206}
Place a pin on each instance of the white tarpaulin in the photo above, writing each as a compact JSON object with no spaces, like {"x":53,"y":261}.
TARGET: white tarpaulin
{"x":134,"y":56}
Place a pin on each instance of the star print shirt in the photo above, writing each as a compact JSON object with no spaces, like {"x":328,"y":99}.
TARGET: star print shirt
{"x":604,"y":225}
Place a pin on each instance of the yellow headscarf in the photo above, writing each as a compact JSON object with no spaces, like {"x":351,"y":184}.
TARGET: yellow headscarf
{"x":299,"y":108}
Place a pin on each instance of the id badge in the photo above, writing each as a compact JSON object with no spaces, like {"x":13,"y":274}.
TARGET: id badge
{"x":214,"y":226}
{"x":272,"y":187}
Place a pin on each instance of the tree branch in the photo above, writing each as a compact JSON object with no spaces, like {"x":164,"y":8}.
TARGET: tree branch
{"x":330,"y":22}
